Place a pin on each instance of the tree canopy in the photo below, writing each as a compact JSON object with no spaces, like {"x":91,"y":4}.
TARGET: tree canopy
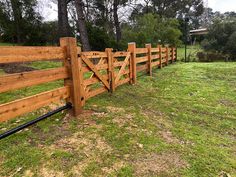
{"x":102,"y":23}
{"x":222,"y":37}
{"x":151,"y":28}
{"x":19,"y":21}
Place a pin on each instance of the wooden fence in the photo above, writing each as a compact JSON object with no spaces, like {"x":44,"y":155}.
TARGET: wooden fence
{"x":85,"y":74}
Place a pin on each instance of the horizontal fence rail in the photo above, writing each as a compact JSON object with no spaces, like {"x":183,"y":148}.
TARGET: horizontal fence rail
{"x":85,"y":74}
{"x":26,"y":54}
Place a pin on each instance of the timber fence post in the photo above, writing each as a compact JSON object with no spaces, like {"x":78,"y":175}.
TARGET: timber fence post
{"x":132,"y":50}
{"x":160,"y":55}
{"x":172,"y":55}
{"x":176,"y":54}
{"x":149,"y":47}
{"x":110,"y":69}
{"x":74,"y":66}
{"x":167,"y":56}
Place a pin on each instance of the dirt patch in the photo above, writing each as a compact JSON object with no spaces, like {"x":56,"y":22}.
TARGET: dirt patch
{"x":86,"y":114}
{"x":59,"y":132}
{"x":92,"y":146}
{"x":154,"y":164}
{"x":15,"y":68}
{"x":1,"y":160}
{"x":63,"y":130}
{"x":86,"y":143}
{"x":87,"y":119}
{"x":224,"y":174}
{"x":54,"y":106}
{"x":115,"y":109}
{"x":160,"y":119}
{"x":168,"y":137}
{"x":227,"y":103}
{"x":122,"y":120}
{"x":115,"y":167}
{"x":51,"y":107}
{"x":100,"y":114}
{"x":28,"y":173}
{"x":151,"y":113}
{"x":106,"y":171}
{"x":50,"y":173}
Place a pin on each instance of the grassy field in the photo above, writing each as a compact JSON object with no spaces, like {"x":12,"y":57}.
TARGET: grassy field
{"x":180,"y":122}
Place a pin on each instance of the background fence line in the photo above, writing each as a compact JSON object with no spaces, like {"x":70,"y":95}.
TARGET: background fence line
{"x":85,"y":74}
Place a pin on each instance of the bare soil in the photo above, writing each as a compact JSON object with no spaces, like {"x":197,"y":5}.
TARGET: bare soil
{"x":15,"y":68}
{"x":153,"y":164}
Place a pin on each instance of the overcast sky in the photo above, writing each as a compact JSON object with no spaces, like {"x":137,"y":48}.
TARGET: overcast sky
{"x":222,"y":5}
{"x":49,"y":10}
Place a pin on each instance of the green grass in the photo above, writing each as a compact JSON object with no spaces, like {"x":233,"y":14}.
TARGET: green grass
{"x":28,"y":91}
{"x":6,"y":44}
{"x":180,"y":122}
{"x":1,"y":72}
{"x":45,"y":64}
{"x":191,"y":53}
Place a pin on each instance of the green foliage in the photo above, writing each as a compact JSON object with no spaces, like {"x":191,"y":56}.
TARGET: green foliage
{"x":210,"y":57}
{"x":21,"y":23}
{"x":100,"y":40}
{"x":231,"y":44}
{"x":46,"y":33}
{"x":150,"y":28}
{"x":221,"y":37}
{"x":169,"y":8}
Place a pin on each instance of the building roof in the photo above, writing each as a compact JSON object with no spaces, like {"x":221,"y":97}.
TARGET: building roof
{"x":201,"y":31}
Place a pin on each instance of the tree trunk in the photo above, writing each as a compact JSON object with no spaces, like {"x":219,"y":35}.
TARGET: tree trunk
{"x":16,"y":8}
{"x":63,"y":24}
{"x":82,"y":26}
{"x":116,"y":20}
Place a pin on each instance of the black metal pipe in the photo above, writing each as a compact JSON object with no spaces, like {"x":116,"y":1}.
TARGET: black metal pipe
{"x":27,"y":124}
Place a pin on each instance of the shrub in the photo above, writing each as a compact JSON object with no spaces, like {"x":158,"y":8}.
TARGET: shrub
{"x":221,"y":38}
{"x":211,"y":57}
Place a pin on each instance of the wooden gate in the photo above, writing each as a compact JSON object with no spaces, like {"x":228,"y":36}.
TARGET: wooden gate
{"x":95,"y":73}
{"x":122,"y":68}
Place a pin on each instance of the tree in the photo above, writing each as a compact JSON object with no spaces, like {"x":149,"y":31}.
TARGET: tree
{"x":17,"y":16}
{"x":63,"y":24}
{"x":176,"y":8}
{"x":82,"y":25}
{"x":231,"y":45}
{"x":99,"y":39}
{"x":19,"y":20}
{"x":106,"y":15}
{"x":116,"y":20}
{"x":6,"y":22}
{"x":151,"y":28}
{"x":170,"y":8}
{"x":221,"y":37}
